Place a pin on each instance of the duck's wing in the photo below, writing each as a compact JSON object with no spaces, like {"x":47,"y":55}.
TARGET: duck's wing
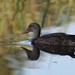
{"x":50,"y":39}
{"x":56,"y":39}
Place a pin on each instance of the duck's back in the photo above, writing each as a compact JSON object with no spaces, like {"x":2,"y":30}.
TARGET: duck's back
{"x":51,"y":39}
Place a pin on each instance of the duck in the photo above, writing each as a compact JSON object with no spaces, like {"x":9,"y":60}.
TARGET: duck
{"x":53,"y":43}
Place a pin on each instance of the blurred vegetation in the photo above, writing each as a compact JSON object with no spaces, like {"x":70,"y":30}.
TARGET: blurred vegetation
{"x":15,"y":15}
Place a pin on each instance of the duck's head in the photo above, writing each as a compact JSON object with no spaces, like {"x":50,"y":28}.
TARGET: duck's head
{"x":35,"y":28}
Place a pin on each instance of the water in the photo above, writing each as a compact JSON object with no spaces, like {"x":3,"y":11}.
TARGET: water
{"x":24,"y":42}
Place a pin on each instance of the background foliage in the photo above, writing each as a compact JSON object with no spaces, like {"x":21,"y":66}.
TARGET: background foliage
{"x":15,"y":15}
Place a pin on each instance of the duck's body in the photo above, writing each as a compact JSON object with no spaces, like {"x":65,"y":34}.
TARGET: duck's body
{"x":54,"y":43}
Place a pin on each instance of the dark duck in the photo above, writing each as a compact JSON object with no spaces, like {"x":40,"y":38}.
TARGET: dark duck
{"x":54,"y":43}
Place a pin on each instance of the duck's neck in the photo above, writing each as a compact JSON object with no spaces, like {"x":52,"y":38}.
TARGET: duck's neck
{"x":36,"y":34}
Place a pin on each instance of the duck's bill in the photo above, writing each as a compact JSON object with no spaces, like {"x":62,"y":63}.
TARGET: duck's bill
{"x":26,"y":31}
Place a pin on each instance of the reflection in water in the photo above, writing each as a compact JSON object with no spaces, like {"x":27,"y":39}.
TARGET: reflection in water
{"x":12,"y":56}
